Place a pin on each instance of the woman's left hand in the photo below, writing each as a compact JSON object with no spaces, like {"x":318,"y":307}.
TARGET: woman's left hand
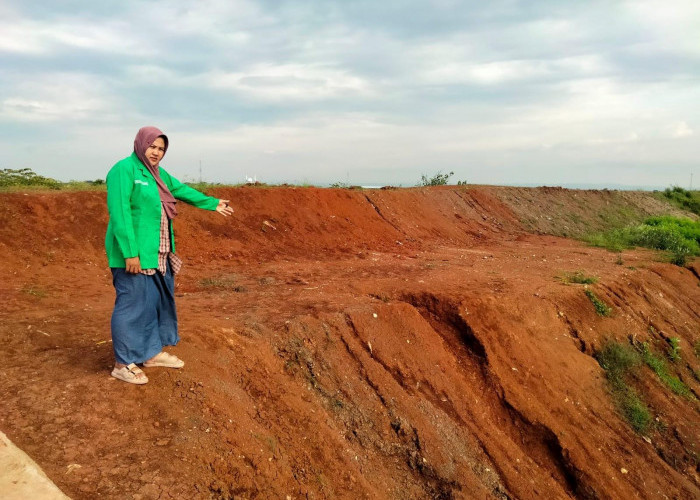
{"x":224,"y":209}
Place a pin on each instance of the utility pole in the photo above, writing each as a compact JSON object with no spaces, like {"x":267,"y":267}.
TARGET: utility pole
{"x":200,"y":171}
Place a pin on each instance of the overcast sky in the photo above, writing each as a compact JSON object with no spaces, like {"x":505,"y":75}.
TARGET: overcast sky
{"x":360,"y":92}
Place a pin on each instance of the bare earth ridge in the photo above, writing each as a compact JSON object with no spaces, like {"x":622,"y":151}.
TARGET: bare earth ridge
{"x":410,"y":343}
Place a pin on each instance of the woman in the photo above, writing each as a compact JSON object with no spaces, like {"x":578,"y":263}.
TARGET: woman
{"x":141,"y":252}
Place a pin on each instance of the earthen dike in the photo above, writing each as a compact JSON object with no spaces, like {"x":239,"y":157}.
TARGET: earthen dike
{"x":396,"y":343}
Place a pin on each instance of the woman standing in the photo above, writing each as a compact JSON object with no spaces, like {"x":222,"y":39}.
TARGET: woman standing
{"x":141,"y":199}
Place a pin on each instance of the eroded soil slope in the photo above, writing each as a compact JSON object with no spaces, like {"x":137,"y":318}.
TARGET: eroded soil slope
{"x":392,"y":344}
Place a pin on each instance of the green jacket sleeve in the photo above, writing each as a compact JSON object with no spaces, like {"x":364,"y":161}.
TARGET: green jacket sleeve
{"x":187,"y":194}
{"x":120,"y":184}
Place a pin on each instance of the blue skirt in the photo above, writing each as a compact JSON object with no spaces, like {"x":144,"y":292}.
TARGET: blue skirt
{"x":144,"y":318}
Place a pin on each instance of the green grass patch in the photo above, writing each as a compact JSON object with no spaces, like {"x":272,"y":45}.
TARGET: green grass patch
{"x":601,"y":308}
{"x":678,"y":236}
{"x":577,"y":277}
{"x":658,"y":366}
{"x":619,"y":361}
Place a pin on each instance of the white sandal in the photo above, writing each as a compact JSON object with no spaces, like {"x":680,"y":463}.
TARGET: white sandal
{"x":164,"y":359}
{"x":131,"y":374}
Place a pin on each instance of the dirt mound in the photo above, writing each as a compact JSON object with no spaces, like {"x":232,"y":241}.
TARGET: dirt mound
{"x":416,"y":343}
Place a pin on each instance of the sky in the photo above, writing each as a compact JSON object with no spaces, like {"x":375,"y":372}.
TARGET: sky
{"x":360,"y":92}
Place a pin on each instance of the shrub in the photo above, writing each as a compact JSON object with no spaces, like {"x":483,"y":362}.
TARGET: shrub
{"x":682,"y":198}
{"x":438,"y":179}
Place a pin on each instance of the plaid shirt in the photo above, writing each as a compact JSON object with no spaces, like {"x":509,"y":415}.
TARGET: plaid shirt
{"x":164,"y":250}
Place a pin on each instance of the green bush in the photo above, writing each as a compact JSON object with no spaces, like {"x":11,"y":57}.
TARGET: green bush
{"x":679,"y":236}
{"x":438,"y":179}
{"x":682,"y":198}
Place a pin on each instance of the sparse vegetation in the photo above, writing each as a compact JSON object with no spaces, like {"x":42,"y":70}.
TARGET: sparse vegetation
{"x":696,"y":348}
{"x":577,"y":277}
{"x":619,"y":361}
{"x":682,"y":198}
{"x":658,"y":366}
{"x":228,"y":282}
{"x":34,"y":290}
{"x":439,"y":179}
{"x":674,"y":349}
{"x":601,"y":308}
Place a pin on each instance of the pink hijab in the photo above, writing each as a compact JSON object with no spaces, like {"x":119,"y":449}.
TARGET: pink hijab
{"x":144,"y":138}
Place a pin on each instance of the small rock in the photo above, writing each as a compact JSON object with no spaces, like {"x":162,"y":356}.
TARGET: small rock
{"x":623,"y":470}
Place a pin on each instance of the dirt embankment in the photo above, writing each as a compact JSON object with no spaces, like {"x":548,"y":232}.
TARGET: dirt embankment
{"x":353,"y":344}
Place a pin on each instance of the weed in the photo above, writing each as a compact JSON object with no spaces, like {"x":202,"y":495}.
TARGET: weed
{"x":578,"y":277}
{"x":619,"y":361}
{"x":380,"y":296}
{"x":223,"y":282}
{"x":601,"y":308}
{"x":674,"y":350}
{"x":658,"y":366}
{"x":696,"y":348}
{"x":34,"y":290}
{"x":269,"y":441}
{"x":619,"y":260}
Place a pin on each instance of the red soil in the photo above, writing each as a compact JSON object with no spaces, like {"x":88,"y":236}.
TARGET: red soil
{"x":410,"y":343}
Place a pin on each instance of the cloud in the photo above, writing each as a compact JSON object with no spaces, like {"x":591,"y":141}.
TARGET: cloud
{"x":57,"y":97}
{"x":289,"y":81}
{"x":380,"y":88}
{"x":682,"y":130}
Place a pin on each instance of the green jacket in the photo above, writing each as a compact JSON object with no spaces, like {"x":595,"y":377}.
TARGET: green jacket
{"x":134,"y":208}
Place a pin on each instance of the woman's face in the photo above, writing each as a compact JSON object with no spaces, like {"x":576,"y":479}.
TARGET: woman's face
{"x":155,"y":152}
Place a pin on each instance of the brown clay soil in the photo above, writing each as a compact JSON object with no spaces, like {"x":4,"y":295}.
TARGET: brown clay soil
{"x":410,"y":343}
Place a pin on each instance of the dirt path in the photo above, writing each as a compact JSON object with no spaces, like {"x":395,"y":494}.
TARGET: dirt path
{"x":349,"y":344}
